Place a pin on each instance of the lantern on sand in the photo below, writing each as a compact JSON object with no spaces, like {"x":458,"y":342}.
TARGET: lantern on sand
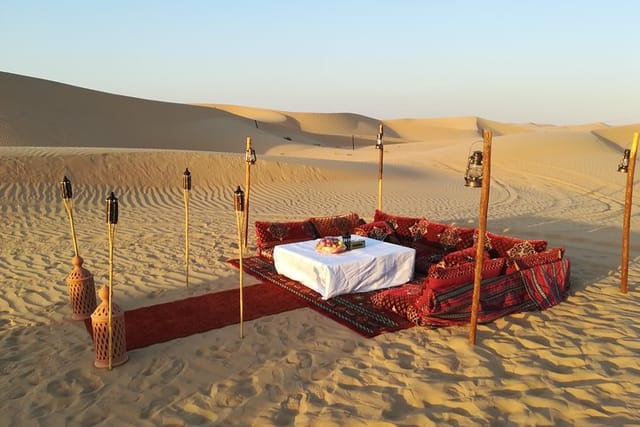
{"x":80,"y":284}
{"x":473,"y":175}
{"x":108,"y":320}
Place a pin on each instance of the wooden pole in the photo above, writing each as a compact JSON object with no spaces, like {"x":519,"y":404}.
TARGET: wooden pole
{"x":239,"y":207}
{"x":247,"y":186}
{"x":380,"y":148}
{"x":627,"y":215}
{"x":186,"y":235}
{"x":482,"y":229}
{"x":112,"y":232}
{"x":67,"y":194}
{"x":186,"y":190}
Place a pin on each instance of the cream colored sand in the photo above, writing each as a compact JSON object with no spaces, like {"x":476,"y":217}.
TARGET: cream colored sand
{"x":575,"y":364}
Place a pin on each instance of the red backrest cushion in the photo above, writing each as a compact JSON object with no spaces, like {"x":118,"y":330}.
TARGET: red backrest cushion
{"x":406,"y":228}
{"x":378,"y":230}
{"x":441,"y":279}
{"x":508,"y":247}
{"x":269,"y":234}
{"x":527,"y":261}
{"x":335,"y":225}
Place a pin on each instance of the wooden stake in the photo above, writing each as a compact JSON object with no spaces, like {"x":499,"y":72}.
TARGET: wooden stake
{"x":186,"y":235}
{"x":627,"y":215}
{"x":68,"y":204}
{"x":247,"y":186}
{"x":482,"y":229}
{"x":238,"y":204}
{"x":112,"y":233}
{"x":380,"y":148}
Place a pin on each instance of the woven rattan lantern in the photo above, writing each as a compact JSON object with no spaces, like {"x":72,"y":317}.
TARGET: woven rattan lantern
{"x":82,"y":291}
{"x":100,"y":325}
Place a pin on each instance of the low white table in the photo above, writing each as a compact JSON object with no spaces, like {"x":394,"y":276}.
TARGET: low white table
{"x":378,"y":265}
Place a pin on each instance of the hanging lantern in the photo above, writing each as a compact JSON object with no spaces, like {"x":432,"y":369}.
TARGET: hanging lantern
{"x":623,"y":166}
{"x":473,"y":176}
{"x":250,"y":156}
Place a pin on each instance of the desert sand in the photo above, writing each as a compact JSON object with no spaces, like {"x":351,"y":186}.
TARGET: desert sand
{"x":575,"y":364}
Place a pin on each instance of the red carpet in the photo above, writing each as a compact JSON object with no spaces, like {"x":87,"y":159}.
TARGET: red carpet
{"x":354,"y":311}
{"x":164,"y":322}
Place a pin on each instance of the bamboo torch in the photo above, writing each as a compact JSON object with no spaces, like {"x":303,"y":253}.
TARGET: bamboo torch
{"x":238,"y":204}
{"x":67,"y":198}
{"x":112,"y":220}
{"x":186,"y":189}
{"x":250,"y":159}
{"x":482,"y":228}
{"x":380,"y":149}
{"x":627,"y":215}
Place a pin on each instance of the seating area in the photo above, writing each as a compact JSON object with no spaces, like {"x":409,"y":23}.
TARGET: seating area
{"x":517,"y":274}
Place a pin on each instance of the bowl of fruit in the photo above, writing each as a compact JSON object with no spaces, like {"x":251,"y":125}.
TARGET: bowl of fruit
{"x":330,"y":245}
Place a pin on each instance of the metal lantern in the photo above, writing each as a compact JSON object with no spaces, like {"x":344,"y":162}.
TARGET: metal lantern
{"x":623,"y":166}
{"x":250,"y":156}
{"x":473,"y":176}
{"x":379,"y":137}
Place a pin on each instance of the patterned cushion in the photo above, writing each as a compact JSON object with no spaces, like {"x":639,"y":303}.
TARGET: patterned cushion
{"x":530,"y":260}
{"x":378,"y":230}
{"x":442,"y":278}
{"x":397,"y":299}
{"x":456,"y":238}
{"x":502,"y":245}
{"x":270,"y":234}
{"x":408,"y":229}
{"x":336,"y":225}
{"x":462,"y":256}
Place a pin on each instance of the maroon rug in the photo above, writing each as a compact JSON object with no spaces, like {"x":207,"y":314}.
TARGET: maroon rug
{"x":164,"y":322}
{"x":354,"y":311}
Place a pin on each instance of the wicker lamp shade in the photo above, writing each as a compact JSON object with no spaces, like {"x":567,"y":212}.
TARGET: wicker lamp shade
{"x":82,"y":291}
{"x":100,"y":325}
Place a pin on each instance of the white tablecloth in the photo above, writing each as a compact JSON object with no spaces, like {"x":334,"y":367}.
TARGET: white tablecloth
{"x":378,"y":265}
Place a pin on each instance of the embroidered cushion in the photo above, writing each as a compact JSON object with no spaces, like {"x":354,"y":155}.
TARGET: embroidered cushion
{"x":456,"y":238}
{"x":531,"y":260}
{"x":440,"y":278}
{"x":453,"y":259}
{"x":407,"y":229}
{"x":501,"y":246}
{"x":270,"y":234}
{"x":336,"y":225}
{"x":378,"y":230}
{"x":397,"y":299}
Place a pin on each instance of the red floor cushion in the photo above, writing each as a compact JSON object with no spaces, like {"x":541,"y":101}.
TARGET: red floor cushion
{"x":336,"y":225}
{"x":442,"y":278}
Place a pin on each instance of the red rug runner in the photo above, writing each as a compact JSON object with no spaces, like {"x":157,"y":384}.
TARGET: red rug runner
{"x":354,"y":311}
{"x":164,"y":322}
{"x":167,"y":321}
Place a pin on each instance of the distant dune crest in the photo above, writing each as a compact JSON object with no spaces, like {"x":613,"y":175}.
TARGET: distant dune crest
{"x":37,"y":112}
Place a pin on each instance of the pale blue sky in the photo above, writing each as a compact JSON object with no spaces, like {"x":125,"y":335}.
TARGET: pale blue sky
{"x":546,"y":61}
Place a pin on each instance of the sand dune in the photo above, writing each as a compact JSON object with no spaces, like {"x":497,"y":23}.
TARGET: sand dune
{"x":575,"y":364}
